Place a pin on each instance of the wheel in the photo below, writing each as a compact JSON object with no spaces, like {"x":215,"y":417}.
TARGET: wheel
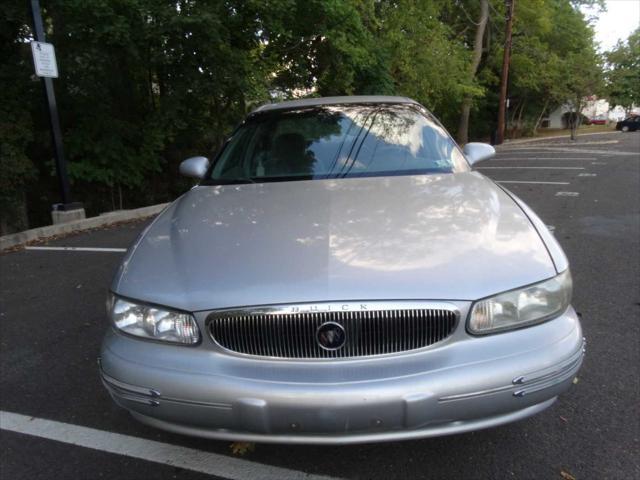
{"x":625,"y":128}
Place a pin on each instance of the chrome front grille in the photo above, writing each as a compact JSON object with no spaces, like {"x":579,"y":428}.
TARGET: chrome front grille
{"x":369,"y":329}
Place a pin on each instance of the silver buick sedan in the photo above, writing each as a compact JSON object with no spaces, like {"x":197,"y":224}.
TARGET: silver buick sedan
{"x":341,"y":275}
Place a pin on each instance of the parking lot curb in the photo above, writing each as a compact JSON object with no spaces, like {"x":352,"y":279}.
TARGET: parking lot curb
{"x":20,"y":238}
{"x":508,"y":143}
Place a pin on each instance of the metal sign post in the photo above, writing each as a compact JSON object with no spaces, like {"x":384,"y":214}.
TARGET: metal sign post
{"x":46,"y":67}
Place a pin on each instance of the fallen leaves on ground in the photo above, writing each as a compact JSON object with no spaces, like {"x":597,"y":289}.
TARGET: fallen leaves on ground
{"x":242,"y":448}
{"x":566,"y":475}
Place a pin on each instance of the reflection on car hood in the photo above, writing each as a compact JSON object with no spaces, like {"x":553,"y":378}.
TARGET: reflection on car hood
{"x":450,"y":236}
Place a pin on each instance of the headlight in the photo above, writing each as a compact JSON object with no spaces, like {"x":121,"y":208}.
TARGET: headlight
{"x":153,"y":323}
{"x":525,"y":306}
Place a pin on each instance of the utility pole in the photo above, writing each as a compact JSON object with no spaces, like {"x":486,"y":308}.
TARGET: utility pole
{"x":506,"y":59}
{"x":67,"y":210}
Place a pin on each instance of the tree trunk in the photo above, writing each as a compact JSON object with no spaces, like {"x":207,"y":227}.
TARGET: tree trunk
{"x":573,"y":124}
{"x":463,"y":127}
{"x":514,"y":113}
{"x":504,"y":74}
{"x":512,"y":125}
{"x":575,"y":119}
{"x":544,"y":109}
{"x":518,"y":124}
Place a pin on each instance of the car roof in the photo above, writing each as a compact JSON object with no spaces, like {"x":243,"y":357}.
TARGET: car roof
{"x":313,"y":102}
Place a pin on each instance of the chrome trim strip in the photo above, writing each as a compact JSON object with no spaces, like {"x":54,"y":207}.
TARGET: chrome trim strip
{"x":543,"y":385}
{"x":479,"y":393}
{"x":556,"y":370}
{"x":371,"y":306}
{"x":528,"y":384}
{"x":150,"y":396}
{"x":130,"y":389}
{"x":224,"y":406}
{"x":132,"y":396}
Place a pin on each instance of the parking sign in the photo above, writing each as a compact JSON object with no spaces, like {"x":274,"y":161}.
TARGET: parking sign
{"x":44,"y":59}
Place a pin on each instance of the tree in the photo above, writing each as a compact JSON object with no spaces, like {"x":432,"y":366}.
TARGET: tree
{"x":16,"y":123}
{"x":146,"y":83}
{"x":623,"y":72}
{"x":553,"y":61}
{"x":463,"y":128}
{"x":320,"y":46}
{"x":426,"y":56}
{"x":580,"y":70}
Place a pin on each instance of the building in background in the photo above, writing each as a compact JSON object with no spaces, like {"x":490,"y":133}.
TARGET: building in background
{"x":596,"y":110}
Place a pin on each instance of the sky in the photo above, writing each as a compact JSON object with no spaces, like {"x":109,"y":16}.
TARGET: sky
{"x":621,"y":18}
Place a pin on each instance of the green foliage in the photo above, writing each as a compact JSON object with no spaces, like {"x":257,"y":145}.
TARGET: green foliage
{"x":426,"y":60}
{"x":142,"y":77}
{"x":553,"y":60}
{"x":623,"y":74}
{"x":321,"y":44}
{"x":16,"y":127}
{"x":146,"y":83}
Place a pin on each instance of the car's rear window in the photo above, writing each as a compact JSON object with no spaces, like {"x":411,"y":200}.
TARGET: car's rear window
{"x":336,"y":142}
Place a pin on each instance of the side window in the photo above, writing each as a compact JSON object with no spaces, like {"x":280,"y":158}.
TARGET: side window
{"x":230,"y":163}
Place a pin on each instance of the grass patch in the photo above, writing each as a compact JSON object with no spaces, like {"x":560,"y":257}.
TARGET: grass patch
{"x":552,"y":132}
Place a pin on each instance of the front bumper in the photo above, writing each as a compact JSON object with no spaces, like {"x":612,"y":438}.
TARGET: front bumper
{"x":467,"y":383}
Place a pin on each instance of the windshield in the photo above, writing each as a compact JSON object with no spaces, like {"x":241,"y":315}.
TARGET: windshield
{"x":337,"y":142}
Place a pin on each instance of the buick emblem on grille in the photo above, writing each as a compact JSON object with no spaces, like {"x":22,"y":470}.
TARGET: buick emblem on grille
{"x":331,"y":336}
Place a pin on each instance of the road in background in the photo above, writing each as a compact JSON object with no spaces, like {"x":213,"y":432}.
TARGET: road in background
{"x":52,"y":319}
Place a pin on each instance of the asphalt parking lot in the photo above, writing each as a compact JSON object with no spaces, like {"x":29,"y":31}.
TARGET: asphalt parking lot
{"x":52,"y":319}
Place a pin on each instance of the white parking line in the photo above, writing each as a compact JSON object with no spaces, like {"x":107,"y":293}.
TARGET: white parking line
{"x":527,"y":154}
{"x":522,"y":151}
{"x":514,"y":159}
{"x":533,"y":183}
{"x":567,"y":194}
{"x":532,"y":168}
{"x":591,"y":151}
{"x":78,"y":249}
{"x":550,"y":145}
{"x":150,"y":450}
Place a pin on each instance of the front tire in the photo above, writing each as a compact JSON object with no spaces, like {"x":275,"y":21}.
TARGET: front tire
{"x":625,"y":128}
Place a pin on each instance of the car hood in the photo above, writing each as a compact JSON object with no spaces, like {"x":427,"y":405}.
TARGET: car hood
{"x":451,"y":236}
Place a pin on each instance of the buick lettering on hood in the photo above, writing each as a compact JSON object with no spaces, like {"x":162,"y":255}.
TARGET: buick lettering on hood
{"x":340,"y":274}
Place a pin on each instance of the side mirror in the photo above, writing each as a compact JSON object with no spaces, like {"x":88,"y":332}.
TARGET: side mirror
{"x":475,"y":152}
{"x":195,"y":167}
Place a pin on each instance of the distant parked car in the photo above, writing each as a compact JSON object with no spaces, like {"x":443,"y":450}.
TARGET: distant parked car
{"x":630,"y":124}
{"x":599,"y":120}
